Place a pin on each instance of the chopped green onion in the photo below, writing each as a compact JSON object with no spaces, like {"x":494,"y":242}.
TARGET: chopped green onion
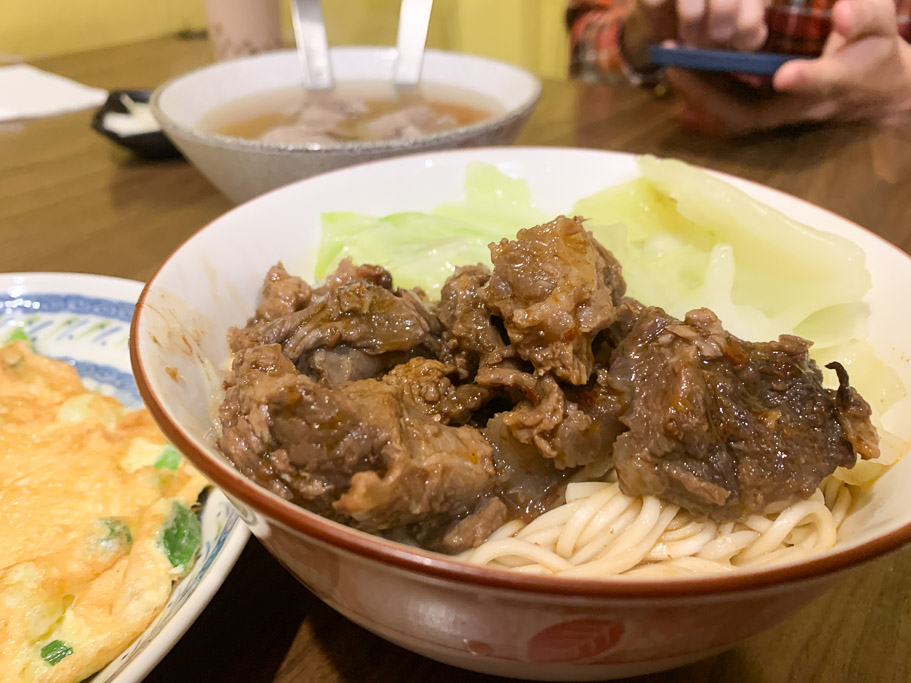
{"x":181,"y":537}
{"x":55,"y":651}
{"x":168,"y":460}
{"x":17,"y":334}
{"x":118,"y":533}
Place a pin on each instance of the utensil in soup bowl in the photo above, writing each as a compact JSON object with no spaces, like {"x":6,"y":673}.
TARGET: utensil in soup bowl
{"x":489,"y":620}
{"x":243,"y":168}
{"x":312,"y":44}
{"x":414,"y":20}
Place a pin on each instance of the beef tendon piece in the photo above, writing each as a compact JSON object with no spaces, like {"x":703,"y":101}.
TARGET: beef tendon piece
{"x":344,"y":364}
{"x":555,"y":288}
{"x":528,"y":484}
{"x":471,"y":531}
{"x":725,"y":427}
{"x":562,"y":430}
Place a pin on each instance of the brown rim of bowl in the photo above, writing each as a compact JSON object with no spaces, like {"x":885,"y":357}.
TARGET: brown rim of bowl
{"x":441,"y":567}
{"x":452,"y":137}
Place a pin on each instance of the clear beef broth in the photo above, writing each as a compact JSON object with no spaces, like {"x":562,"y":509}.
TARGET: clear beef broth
{"x":352,"y":111}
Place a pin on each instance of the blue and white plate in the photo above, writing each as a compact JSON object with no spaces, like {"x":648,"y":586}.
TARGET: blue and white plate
{"x":85,"y":320}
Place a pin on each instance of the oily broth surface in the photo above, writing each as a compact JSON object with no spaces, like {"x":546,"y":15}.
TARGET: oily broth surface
{"x":251,"y":116}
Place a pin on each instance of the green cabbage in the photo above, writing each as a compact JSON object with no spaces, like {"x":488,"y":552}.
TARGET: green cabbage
{"x":685,"y":240}
{"x":420,"y":250}
{"x":694,"y":240}
{"x":423,"y":249}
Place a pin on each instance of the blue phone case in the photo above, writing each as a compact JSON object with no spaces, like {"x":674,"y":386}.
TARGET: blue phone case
{"x":728,"y":61}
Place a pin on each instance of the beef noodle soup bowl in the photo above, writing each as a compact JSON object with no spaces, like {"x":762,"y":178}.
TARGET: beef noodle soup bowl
{"x":490,"y":618}
{"x":249,"y":127}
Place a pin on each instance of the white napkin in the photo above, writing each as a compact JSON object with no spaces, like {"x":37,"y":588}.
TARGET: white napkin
{"x":27,"y":92}
{"x":137,"y":120}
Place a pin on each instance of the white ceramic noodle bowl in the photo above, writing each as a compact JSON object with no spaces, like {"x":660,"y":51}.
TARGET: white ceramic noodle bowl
{"x":245,"y":168}
{"x":475,"y":617}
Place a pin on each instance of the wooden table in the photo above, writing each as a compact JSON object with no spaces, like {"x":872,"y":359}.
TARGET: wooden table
{"x":69,"y":201}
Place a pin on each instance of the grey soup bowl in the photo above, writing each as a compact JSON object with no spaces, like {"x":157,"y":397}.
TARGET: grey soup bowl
{"x":244,"y":168}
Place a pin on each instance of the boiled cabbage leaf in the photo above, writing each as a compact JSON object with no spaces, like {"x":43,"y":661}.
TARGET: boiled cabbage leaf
{"x":685,"y":239}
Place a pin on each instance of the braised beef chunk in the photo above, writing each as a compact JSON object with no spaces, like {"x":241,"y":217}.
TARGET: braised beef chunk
{"x":558,"y":428}
{"x":555,"y":288}
{"x":246,"y":439}
{"x":359,"y":315}
{"x":721,"y":426}
{"x":344,"y":362}
{"x":428,"y":384}
{"x":424,"y":382}
{"x":433,"y":423}
{"x":346,"y":273}
{"x":428,"y":468}
{"x":468,"y":329}
{"x":628,"y":311}
{"x":282,"y":294}
{"x":259,"y":331}
{"x":355,"y":307}
{"x":363,"y":454}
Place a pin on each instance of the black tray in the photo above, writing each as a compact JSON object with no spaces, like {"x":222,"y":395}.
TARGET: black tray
{"x":153,"y":145}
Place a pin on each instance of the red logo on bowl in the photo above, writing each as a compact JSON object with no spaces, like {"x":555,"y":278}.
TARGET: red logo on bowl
{"x":573,"y":641}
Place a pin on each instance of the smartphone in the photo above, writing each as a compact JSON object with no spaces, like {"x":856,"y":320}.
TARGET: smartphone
{"x":727,"y":61}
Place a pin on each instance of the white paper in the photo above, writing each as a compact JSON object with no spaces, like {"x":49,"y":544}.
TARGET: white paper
{"x":27,"y":92}
{"x":137,"y":120}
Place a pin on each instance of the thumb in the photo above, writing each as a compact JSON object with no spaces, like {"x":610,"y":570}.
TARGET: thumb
{"x":818,"y":77}
{"x":854,"y":19}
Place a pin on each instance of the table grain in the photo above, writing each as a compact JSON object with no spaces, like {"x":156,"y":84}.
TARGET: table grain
{"x":71,"y":201}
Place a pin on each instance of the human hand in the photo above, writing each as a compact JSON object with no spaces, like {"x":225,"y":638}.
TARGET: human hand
{"x":731,"y":24}
{"x":864,"y":73}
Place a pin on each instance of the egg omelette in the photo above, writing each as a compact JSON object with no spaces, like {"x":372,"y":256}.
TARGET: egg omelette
{"x":96,"y":521}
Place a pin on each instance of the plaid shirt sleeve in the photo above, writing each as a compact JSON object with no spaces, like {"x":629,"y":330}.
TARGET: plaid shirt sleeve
{"x":594,"y":31}
{"x":798,"y":27}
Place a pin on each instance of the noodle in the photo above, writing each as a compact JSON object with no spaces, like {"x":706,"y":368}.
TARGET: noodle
{"x":601,"y":532}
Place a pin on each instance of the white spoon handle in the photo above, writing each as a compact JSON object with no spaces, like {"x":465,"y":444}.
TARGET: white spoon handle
{"x":414,"y":18}
{"x":312,"y":44}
